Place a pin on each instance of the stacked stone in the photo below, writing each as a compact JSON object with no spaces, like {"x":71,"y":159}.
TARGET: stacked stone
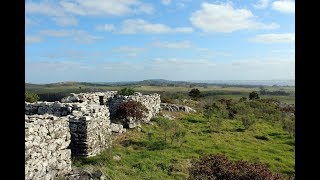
{"x":47,"y":138}
{"x":90,"y":129}
{"x":89,"y":98}
{"x":175,"y":107}
{"x":55,"y":108}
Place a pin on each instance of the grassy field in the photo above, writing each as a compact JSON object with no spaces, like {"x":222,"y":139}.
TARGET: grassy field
{"x":145,"y":156}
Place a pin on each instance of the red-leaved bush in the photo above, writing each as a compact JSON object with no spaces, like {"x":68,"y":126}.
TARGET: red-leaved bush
{"x":131,"y":109}
{"x":219,"y":167}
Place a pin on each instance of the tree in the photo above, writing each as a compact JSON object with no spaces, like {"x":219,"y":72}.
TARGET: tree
{"x":195,"y":93}
{"x":31,"y":97}
{"x":126,"y":91}
{"x":254,"y":95}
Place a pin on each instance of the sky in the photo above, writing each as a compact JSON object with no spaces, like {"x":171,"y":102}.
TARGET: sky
{"x":133,"y":40}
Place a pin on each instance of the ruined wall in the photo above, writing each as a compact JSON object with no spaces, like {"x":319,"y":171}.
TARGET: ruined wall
{"x":47,"y":138}
{"x":89,"y":98}
{"x":90,"y":129}
{"x":79,"y":125}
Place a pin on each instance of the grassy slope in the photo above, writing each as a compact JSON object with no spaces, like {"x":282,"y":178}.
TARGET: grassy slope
{"x":144,"y":157}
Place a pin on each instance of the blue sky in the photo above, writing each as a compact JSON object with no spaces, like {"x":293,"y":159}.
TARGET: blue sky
{"x":130,"y":40}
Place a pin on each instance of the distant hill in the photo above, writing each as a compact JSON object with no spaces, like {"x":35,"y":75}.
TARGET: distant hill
{"x":164,"y":82}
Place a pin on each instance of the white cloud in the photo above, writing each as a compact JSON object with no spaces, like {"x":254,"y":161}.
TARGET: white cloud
{"x":133,"y":26}
{"x":225,"y":18}
{"x":33,"y":39}
{"x":76,"y":35}
{"x":127,"y":51}
{"x":164,"y":68}
{"x":103,"y":7}
{"x":43,"y":8}
{"x":261,"y":4}
{"x":166,"y":2}
{"x":106,"y":27}
{"x":65,"y":21}
{"x":275,"y":38}
{"x":285,"y":6}
{"x":173,"y":45}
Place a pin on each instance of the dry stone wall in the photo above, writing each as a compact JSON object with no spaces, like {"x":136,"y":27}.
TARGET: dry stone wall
{"x":79,"y":125}
{"x":89,"y":98}
{"x":47,"y":138}
{"x":90,"y":130}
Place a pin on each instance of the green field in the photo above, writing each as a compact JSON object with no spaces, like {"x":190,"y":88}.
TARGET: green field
{"x":145,"y":157}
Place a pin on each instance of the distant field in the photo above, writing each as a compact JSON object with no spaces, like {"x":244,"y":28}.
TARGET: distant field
{"x":211,"y":91}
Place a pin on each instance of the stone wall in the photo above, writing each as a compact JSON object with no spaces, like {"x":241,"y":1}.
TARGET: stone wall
{"x":79,"y":125}
{"x":90,"y":130}
{"x":89,"y":98}
{"x":47,"y":138}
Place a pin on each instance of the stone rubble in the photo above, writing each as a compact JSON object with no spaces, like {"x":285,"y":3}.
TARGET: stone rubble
{"x":175,"y":107}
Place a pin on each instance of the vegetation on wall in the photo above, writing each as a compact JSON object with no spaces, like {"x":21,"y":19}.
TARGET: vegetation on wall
{"x":31,"y":97}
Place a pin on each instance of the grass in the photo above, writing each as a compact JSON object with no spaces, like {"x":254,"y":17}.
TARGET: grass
{"x":145,"y":156}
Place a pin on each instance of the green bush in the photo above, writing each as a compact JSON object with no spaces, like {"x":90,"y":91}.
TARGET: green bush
{"x":31,"y":97}
{"x":172,"y":130}
{"x":247,"y":121}
{"x":195,"y":93}
{"x":254,"y":95}
{"x":288,"y":124}
{"x":126,"y":91}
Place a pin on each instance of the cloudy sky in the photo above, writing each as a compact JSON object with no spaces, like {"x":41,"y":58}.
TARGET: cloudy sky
{"x":129,"y":40}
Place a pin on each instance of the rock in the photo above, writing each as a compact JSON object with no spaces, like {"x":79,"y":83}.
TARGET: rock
{"x":168,"y":116}
{"x":175,"y":107}
{"x":116,"y":158}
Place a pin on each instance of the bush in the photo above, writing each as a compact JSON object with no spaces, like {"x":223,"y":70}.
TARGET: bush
{"x":288,"y":125}
{"x":126,"y":91}
{"x":219,"y":167}
{"x":254,"y":95}
{"x":172,"y":130}
{"x":216,"y":108}
{"x":31,"y":97}
{"x":131,"y":109}
{"x":247,"y":121}
{"x":195,"y":93}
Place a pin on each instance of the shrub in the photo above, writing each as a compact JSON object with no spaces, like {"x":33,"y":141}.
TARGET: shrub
{"x":288,"y":125}
{"x":31,"y":97}
{"x":242,"y":99}
{"x":126,"y":91}
{"x":172,"y":130}
{"x":254,"y":95}
{"x":131,"y":109}
{"x":216,"y":108}
{"x":247,"y":121}
{"x":195,"y":93}
{"x":219,"y":167}
{"x":167,"y":99}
